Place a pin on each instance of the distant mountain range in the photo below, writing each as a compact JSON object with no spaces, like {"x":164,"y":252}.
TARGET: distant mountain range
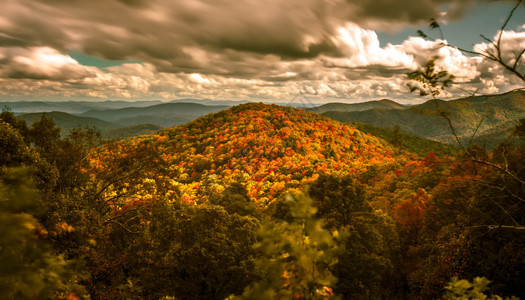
{"x":349,"y":107}
{"x":488,"y":118}
{"x":124,"y":122}
{"x":165,"y":114}
{"x":210,"y":102}
{"x":68,"y":121}
{"x":494,"y":116}
{"x":80,"y":107}
{"x":71,"y":107}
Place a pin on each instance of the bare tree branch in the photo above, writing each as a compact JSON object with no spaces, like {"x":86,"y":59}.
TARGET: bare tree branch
{"x":494,"y":55}
{"x":475,"y":132}
{"x":500,"y":226}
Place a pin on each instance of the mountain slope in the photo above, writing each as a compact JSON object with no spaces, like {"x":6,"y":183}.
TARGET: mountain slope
{"x":347,"y":107}
{"x":131,"y":131}
{"x":408,"y":142}
{"x":165,"y":115}
{"x":268,"y":149}
{"x":67,"y":121}
{"x":492,"y":113}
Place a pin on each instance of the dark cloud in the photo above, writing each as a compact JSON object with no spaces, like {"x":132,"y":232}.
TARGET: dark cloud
{"x":162,"y":31}
{"x":402,"y":11}
{"x":283,"y":47}
{"x":8,"y":41}
{"x":374,"y":72}
{"x":224,"y":48}
{"x":134,"y":3}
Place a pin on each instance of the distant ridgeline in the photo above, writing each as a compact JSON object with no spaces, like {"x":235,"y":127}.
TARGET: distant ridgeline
{"x":114,"y":119}
{"x":489,"y":119}
{"x":486,"y":120}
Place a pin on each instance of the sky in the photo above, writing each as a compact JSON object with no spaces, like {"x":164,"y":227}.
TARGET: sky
{"x":255,"y":50}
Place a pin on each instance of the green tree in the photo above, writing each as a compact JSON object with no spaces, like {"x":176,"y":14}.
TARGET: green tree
{"x":366,"y":268}
{"x":519,"y":130}
{"x":13,"y":149}
{"x":72,"y":157}
{"x":397,"y":138}
{"x":235,"y":199}
{"x":191,"y":252}
{"x":475,"y":290}
{"x":29,"y":268}
{"x":17,"y":123}
{"x":45,"y":135}
{"x":297,"y":256}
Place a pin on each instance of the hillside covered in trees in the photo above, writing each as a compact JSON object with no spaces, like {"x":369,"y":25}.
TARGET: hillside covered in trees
{"x":490,"y":119}
{"x":255,"y":202}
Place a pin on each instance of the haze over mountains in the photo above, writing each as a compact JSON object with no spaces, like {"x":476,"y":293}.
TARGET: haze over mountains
{"x":71,"y":107}
{"x":488,"y":118}
{"x":165,"y":114}
{"x":68,"y":121}
{"x":114,"y":118}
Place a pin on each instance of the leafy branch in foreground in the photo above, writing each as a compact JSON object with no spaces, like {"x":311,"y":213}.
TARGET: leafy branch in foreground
{"x":29,"y":267}
{"x":431,"y":81}
{"x":464,"y":289}
{"x":299,"y":255}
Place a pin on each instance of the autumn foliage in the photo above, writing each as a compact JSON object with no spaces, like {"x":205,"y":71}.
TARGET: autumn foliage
{"x":259,"y":200}
{"x":268,"y":148}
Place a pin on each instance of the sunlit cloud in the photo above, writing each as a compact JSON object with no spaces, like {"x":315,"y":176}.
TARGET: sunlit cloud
{"x":250,"y":50}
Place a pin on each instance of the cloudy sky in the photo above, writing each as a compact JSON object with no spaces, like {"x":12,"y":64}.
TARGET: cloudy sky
{"x":263,"y":50}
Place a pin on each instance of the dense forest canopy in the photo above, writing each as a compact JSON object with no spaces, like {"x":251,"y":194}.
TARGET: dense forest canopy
{"x":257,"y":201}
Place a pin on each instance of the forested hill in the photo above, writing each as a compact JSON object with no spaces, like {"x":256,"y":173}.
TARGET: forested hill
{"x":269,"y":149}
{"x":347,"y":107}
{"x":251,"y":201}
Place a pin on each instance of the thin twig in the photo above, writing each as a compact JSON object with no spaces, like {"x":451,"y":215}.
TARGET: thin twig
{"x":475,"y":132}
{"x":500,"y":226}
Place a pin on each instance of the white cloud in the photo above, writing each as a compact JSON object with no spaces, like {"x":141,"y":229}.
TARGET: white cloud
{"x":40,"y":63}
{"x":361,"y":48}
{"x":512,"y":43}
{"x":225,"y":49}
{"x":197,"y":78}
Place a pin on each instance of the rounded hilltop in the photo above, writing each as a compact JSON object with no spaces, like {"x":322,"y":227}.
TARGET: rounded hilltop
{"x":268,"y":149}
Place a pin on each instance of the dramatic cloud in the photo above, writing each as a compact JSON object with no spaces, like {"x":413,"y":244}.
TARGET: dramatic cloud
{"x":162,"y":32}
{"x":267,"y":49}
{"x":40,"y":63}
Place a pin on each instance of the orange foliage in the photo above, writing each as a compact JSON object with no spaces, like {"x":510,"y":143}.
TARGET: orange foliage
{"x":268,"y":148}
